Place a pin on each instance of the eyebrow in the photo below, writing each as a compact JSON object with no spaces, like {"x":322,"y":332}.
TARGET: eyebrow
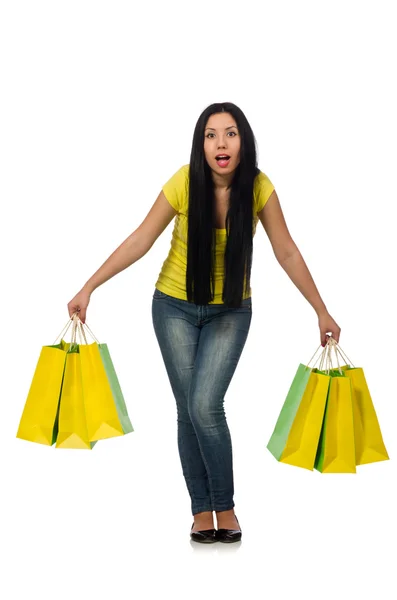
{"x":225,"y":127}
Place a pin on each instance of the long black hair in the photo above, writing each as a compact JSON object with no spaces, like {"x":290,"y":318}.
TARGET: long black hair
{"x":200,"y":283}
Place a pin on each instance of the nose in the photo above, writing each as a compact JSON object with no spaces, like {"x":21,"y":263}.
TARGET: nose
{"x":222,"y":140}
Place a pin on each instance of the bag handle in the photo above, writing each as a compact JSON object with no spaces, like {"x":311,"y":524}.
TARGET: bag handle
{"x":76,"y":323}
{"x":338,"y":350}
{"x":343,"y":355}
{"x":78,"y":328}
{"x":331,"y":344}
{"x":64,"y":330}
{"x":73,"y":341}
{"x":325,"y":356}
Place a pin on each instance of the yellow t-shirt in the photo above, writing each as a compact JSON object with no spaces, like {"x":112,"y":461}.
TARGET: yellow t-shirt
{"x":172,"y":278}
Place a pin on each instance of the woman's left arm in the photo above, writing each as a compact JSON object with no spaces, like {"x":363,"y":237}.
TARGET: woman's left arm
{"x":291,"y":260}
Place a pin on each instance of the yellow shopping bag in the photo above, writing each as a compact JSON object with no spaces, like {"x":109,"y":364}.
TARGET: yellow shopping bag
{"x":296,"y":434}
{"x":105,"y":411}
{"x":101,"y":411}
{"x":336,"y":450}
{"x":301,"y":447}
{"x":369,"y":442}
{"x":75,"y":398}
{"x":38,"y":422}
{"x":72,"y":425}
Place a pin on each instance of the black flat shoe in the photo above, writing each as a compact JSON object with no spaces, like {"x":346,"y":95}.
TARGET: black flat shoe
{"x":205,"y":536}
{"x":228,"y":535}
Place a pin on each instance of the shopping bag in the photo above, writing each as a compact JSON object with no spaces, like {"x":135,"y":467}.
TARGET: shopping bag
{"x":112,"y":378}
{"x":116,"y":389}
{"x":49,"y":399}
{"x":38,"y":422}
{"x":369,"y":442}
{"x":101,"y":410}
{"x":72,"y":422}
{"x":336,"y":449}
{"x":296,"y":434}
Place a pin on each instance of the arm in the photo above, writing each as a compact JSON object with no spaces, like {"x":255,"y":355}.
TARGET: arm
{"x":291,"y":260}
{"x":136,"y":245}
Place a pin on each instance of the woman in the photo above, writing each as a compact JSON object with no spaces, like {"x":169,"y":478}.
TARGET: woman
{"x":201,"y":305}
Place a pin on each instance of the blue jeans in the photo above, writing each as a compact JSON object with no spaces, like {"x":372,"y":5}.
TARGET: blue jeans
{"x":201,"y":346}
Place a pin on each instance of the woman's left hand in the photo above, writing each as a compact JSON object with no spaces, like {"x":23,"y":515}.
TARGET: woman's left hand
{"x":327,"y":324}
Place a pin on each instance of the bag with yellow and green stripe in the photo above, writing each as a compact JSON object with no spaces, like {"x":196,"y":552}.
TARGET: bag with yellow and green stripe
{"x":75,"y":397}
{"x":328,"y":421}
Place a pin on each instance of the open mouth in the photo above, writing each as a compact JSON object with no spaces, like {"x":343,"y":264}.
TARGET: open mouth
{"x":223,"y":157}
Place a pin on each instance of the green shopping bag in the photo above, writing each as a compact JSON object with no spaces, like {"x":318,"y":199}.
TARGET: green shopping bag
{"x":116,"y":389}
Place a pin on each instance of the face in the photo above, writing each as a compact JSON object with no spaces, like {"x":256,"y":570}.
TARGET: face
{"x":221,"y":136}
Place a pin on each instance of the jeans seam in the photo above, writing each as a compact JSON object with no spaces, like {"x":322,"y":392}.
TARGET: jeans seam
{"x":205,"y":464}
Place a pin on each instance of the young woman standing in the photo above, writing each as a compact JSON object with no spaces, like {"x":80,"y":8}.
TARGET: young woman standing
{"x":202,"y":306}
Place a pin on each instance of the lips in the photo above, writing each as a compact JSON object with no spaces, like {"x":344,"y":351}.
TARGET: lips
{"x":222,"y":157}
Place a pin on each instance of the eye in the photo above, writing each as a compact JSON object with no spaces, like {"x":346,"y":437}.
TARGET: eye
{"x":232,"y":132}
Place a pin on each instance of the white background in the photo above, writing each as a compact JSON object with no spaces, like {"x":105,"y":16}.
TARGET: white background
{"x":98,"y":105}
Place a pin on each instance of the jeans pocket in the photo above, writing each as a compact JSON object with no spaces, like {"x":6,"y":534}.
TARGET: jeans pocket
{"x":158,"y":295}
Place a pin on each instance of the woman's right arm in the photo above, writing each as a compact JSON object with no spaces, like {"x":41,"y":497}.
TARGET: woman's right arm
{"x":131,"y":250}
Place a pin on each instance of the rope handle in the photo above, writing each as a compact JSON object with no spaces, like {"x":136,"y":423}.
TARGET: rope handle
{"x":325,"y":356}
{"x":77,"y":324}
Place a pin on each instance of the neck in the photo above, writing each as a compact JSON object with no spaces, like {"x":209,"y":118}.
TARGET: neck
{"x":222,"y":182}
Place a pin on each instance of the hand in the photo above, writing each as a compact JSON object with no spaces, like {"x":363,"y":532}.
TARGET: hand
{"x":79,"y":304}
{"x":327,"y":324}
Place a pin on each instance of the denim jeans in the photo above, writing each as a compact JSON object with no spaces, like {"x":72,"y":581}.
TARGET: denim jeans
{"x":201,"y":346}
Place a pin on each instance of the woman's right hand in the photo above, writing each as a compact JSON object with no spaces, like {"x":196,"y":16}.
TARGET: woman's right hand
{"x":79,"y":304}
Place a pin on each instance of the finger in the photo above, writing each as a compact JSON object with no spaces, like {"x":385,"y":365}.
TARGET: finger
{"x":324,"y":339}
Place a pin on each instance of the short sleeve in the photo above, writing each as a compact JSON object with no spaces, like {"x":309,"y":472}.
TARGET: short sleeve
{"x":263,"y":189}
{"x":175,"y":189}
